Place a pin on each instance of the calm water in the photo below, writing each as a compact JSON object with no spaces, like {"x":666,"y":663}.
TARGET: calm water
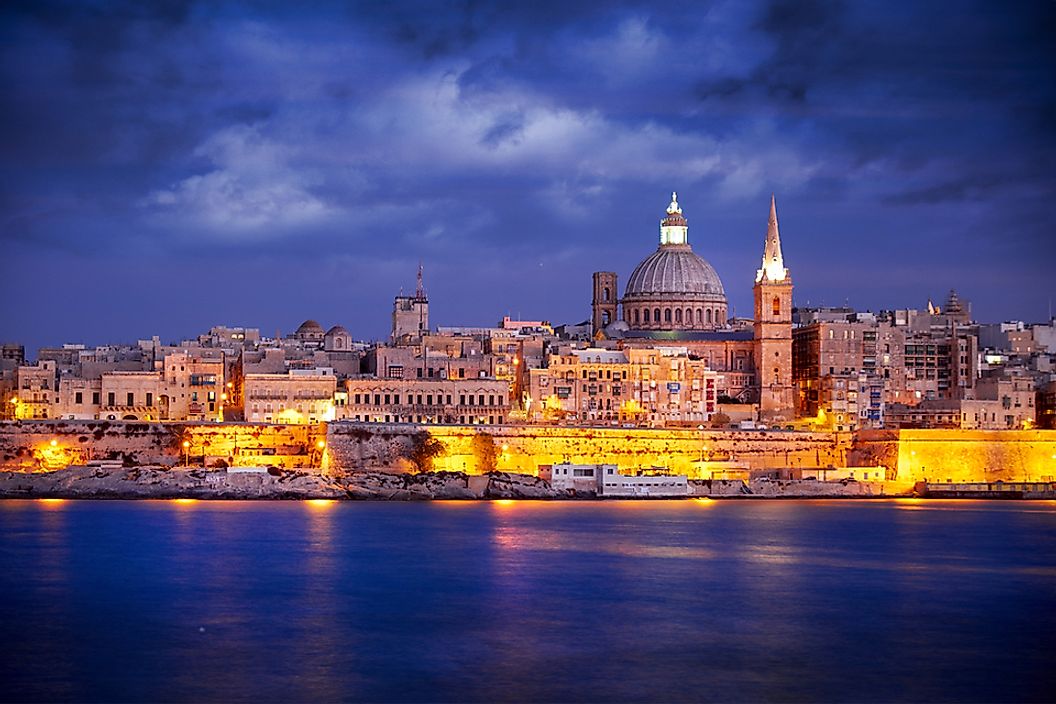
{"x":499,"y":601}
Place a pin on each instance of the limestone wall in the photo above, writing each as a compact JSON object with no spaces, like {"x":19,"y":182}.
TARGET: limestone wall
{"x":959,"y":455}
{"x":44,"y":445}
{"x":524,"y":448}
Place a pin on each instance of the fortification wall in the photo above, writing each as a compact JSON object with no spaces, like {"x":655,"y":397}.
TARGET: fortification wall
{"x":959,"y":455}
{"x":523,"y":448}
{"x":43,"y":445}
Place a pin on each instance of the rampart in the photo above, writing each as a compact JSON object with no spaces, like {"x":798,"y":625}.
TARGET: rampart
{"x":908,"y":455}
{"x":959,"y":455}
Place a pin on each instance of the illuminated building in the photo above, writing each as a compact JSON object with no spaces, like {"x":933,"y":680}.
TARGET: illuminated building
{"x":470,"y":401}
{"x":657,"y":386}
{"x":410,"y":315}
{"x":298,"y":396}
{"x":675,"y":297}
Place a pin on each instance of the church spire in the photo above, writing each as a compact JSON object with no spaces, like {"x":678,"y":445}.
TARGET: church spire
{"x":773,"y":261}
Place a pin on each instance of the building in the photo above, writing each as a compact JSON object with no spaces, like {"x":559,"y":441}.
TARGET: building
{"x":661,"y":386}
{"x":675,"y":297}
{"x":673,"y":288}
{"x":605,"y":480}
{"x":773,"y":328}
{"x":298,"y":396}
{"x":449,"y":401}
{"x":410,"y":315}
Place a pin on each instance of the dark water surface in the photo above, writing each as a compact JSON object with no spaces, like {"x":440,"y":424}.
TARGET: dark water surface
{"x":502,"y":601}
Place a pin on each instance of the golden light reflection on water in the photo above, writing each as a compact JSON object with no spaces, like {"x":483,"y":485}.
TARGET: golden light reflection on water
{"x":51,"y":503}
{"x":319,"y":504}
{"x":184,"y":501}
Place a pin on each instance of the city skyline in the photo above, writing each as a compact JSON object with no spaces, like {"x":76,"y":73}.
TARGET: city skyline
{"x":187,"y":166}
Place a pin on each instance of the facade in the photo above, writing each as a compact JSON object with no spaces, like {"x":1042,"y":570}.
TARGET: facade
{"x":605,"y":480}
{"x":655,"y":386}
{"x":435,"y":401}
{"x":298,"y":396}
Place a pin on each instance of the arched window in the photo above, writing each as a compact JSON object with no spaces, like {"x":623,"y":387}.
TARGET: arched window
{"x":667,"y":315}
{"x":656,"y":314}
{"x":678,"y":315}
{"x":605,"y":295}
{"x":700,"y":316}
{"x":689,"y":315}
{"x":646,"y":315}
{"x":636,"y":317}
{"x":709,"y":316}
{"x":605,"y":317}
{"x":777,"y":306}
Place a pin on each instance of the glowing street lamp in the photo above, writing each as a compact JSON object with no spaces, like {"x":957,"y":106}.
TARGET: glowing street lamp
{"x":186,"y":453}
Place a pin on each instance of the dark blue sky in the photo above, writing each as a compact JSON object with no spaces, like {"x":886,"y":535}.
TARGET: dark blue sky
{"x":169,"y":166}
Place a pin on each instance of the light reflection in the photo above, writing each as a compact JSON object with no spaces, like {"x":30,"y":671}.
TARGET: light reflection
{"x":185,"y":501}
{"x":503,"y":502}
{"x":51,"y":502}
{"x":320,"y":503}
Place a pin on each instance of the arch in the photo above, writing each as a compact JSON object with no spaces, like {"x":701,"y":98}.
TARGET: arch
{"x":777,"y":306}
{"x":678,"y":315}
{"x":667,"y":315}
{"x":700,"y":316}
{"x":605,"y":318}
{"x":656,"y":314}
{"x":709,"y":316}
{"x":605,"y":295}
{"x":636,"y":317}
{"x":689,"y":316}
{"x":646,"y":315}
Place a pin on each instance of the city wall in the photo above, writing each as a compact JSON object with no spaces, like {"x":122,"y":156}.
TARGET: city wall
{"x":958,"y":455}
{"x":524,"y":448}
{"x":908,"y":455}
{"x":54,"y":444}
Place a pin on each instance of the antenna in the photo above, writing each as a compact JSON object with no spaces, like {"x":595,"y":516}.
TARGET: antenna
{"x":420,"y":291}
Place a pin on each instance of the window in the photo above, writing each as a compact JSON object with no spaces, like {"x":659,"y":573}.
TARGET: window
{"x":480,"y":400}
{"x":77,"y":397}
{"x":388,"y":399}
{"x":678,"y":315}
{"x":605,"y":295}
{"x":637,"y":317}
{"x":95,"y":398}
{"x":777,"y":306}
{"x":131,"y":399}
{"x":667,"y":315}
{"x":656,"y":315}
{"x":646,"y":315}
{"x":429,"y":399}
{"x":150,"y":398}
{"x":462,"y":399}
{"x":709,"y":316}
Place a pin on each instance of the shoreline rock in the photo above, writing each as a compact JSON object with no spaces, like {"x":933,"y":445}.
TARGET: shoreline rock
{"x":110,"y":482}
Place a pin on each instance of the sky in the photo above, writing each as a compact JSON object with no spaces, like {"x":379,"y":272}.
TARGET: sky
{"x":169,"y":166}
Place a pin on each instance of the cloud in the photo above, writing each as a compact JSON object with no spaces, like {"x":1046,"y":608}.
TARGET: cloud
{"x":253,"y":188}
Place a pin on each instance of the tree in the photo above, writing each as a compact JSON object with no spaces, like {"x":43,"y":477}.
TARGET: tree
{"x":421,"y":451}
{"x":484,"y":452}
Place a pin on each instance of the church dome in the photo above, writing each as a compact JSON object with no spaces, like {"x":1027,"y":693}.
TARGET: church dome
{"x":674,"y":288}
{"x":309,"y":330}
{"x":675,"y":269}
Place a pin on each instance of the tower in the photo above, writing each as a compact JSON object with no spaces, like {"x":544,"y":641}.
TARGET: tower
{"x":773,"y":327}
{"x":410,"y":314}
{"x":603,"y":301}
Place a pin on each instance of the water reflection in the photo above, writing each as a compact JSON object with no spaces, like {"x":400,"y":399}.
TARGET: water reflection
{"x":526,"y":600}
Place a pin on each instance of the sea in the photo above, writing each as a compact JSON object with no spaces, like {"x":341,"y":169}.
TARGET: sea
{"x":900,"y":600}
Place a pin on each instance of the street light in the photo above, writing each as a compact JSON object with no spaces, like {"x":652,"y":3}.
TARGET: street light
{"x":186,"y":453}
{"x":701,"y":429}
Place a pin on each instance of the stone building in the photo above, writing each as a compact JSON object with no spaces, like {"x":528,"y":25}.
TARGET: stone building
{"x":470,"y":401}
{"x":661,"y":386}
{"x":298,"y":396}
{"x":675,"y":297}
{"x":410,"y":315}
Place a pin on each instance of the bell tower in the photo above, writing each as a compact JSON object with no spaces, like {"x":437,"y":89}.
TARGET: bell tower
{"x":773,"y":328}
{"x":604,"y":301}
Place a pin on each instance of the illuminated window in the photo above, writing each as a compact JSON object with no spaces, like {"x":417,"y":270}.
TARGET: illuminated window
{"x":777,"y":306}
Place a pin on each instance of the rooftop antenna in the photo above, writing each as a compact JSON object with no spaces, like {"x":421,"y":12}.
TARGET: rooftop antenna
{"x":420,"y":290}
